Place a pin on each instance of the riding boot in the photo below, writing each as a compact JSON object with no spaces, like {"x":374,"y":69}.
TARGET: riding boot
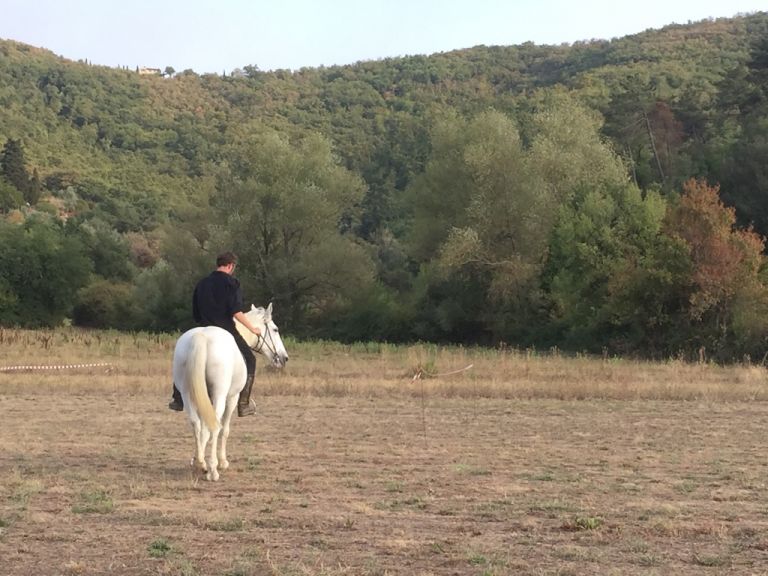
{"x":177,"y":403}
{"x":246,"y":406}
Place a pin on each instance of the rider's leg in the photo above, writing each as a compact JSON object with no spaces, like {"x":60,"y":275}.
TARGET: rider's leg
{"x":177,"y":403}
{"x":246,"y":406}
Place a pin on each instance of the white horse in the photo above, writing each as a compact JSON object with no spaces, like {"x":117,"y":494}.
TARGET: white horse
{"x":209,"y":372}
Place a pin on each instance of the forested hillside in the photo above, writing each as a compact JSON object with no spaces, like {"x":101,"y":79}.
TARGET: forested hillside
{"x":601,"y":196}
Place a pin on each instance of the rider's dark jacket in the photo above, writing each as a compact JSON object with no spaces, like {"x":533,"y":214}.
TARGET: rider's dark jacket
{"x":217,"y":298}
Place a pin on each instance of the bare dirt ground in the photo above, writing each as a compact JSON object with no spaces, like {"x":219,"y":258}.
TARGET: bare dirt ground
{"x":99,"y":483}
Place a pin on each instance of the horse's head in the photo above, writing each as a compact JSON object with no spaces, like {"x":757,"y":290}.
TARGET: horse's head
{"x":269,"y":344}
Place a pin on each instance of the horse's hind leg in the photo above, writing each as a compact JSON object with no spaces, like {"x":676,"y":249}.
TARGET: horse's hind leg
{"x":200,"y":433}
{"x":225,"y":421}
{"x":213,"y":461}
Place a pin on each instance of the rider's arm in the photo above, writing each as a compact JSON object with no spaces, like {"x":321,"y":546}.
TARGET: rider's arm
{"x":243,"y":319}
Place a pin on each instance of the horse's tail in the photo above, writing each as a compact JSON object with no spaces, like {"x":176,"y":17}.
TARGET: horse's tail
{"x":198,"y":391}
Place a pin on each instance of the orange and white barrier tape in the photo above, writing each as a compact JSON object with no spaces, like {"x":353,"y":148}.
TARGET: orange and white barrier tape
{"x":54,"y":367}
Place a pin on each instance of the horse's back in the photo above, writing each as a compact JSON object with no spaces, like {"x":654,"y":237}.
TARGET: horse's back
{"x":211,"y":332}
{"x":219,"y":341}
{"x":222,"y":356}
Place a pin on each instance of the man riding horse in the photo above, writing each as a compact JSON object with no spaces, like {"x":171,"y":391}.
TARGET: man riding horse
{"x":218,"y":301}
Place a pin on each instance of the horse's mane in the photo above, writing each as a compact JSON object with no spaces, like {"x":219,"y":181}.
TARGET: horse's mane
{"x":254,"y":314}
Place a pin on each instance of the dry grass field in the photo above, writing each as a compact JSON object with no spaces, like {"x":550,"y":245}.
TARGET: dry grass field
{"x":374,"y":460}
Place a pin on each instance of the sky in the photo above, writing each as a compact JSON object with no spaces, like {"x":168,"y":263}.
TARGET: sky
{"x":218,"y":36}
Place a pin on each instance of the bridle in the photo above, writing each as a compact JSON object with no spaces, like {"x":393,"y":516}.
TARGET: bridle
{"x":262,"y":341}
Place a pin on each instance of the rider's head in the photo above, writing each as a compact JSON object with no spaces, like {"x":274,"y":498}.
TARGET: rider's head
{"x":226,"y":261}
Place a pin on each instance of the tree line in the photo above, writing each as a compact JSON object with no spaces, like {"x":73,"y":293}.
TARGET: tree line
{"x":601,"y":196}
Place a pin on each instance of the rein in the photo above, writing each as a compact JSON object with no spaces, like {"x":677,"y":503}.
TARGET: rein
{"x":263,"y":342}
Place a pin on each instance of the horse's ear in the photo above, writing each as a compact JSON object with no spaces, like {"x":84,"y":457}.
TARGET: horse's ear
{"x":269,"y":310}
{"x":253,"y":307}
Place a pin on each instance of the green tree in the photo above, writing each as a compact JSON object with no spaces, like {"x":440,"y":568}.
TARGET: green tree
{"x":41,"y":270}
{"x":740,"y":143}
{"x":613,"y":278}
{"x":485,"y":207}
{"x":10,"y":197}
{"x":439,"y":196}
{"x":507,"y":212}
{"x":13,"y":166}
{"x":287,"y":211}
{"x":34,"y":189}
{"x":107,"y":250}
{"x":475,"y":171}
{"x":105,"y":304}
{"x":568,"y":150}
{"x":164,"y":291}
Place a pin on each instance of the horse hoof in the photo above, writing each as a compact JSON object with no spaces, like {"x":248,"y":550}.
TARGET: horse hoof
{"x":212,"y":476}
{"x":223,"y":464}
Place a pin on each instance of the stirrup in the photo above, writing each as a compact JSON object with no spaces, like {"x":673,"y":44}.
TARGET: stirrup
{"x":177,"y":406}
{"x":246,"y":409}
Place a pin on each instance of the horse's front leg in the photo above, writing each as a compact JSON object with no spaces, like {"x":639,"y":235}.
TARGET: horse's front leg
{"x":225,"y":422}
